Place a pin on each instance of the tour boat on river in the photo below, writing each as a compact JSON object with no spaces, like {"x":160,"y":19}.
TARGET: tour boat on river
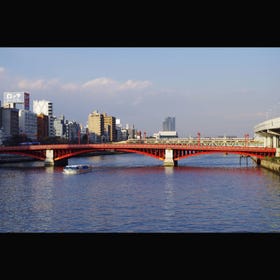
{"x":77,"y":169}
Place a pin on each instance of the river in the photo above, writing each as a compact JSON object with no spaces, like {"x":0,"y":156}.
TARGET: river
{"x":135,"y":193}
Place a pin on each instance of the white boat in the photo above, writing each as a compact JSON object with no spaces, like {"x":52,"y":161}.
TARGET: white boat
{"x":77,"y":169}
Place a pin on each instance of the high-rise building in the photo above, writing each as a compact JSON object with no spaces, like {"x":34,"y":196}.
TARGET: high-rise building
{"x":110,"y":127}
{"x":96,"y":125}
{"x":131,"y":131}
{"x":121,"y":133}
{"x":45,"y":107}
{"x":28,"y":124}
{"x":10,"y":121}
{"x":59,"y":126}
{"x":101,"y":127}
{"x":42,"y":126}
{"x":73,"y":130}
{"x":169,"y":124}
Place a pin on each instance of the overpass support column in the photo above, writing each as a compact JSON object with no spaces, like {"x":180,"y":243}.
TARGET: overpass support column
{"x":275,"y":142}
{"x":265,"y":141}
{"x":169,"y":160}
{"x":49,"y":161}
{"x":268,"y":141}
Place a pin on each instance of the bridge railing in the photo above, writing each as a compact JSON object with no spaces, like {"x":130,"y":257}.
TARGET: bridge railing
{"x":207,"y":141}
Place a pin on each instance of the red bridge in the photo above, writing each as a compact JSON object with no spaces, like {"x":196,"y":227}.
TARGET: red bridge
{"x":168,"y":153}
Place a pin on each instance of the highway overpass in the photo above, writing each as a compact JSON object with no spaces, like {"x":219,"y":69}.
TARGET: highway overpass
{"x":269,"y":130}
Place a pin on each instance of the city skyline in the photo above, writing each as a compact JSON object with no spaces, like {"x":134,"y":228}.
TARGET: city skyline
{"x":216,"y":91}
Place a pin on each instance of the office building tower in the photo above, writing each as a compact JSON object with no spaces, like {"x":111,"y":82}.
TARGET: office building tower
{"x":28,"y":124}
{"x":42,"y":127}
{"x":169,"y":124}
{"x":96,"y":125}
{"x":59,"y":126}
{"x":10,"y":121}
{"x":73,"y":131}
{"x":45,"y":107}
{"x":109,"y":128}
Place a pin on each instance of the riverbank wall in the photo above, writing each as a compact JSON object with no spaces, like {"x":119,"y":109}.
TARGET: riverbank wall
{"x":270,"y":164}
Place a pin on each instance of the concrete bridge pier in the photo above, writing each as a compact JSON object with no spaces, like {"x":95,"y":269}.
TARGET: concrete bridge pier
{"x":49,"y":161}
{"x":169,"y":160}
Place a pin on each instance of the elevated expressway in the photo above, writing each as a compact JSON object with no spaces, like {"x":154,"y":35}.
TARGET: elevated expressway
{"x":269,"y":131}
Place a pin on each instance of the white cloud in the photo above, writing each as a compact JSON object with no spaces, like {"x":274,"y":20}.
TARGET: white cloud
{"x":30,"y":85}
{"x":39,"y":84}
{"x":70,"y":87}
{"x":97,"y":86}
{"x":100,"y":82}
{"x":113,"y":85}
{"x":130,"y":84}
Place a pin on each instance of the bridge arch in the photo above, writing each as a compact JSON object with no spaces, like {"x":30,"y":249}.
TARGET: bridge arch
{"x":69,"y":154}
{"x":159,"y":155}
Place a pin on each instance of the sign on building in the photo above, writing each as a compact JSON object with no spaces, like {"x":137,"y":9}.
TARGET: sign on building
{"x":12,"y":98}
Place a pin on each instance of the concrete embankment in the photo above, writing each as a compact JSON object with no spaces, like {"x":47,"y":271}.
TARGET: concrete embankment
{"x":269,"y":164}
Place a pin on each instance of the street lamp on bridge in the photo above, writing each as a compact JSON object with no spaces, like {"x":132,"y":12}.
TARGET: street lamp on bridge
{"x":198,"y":138}
{"x":246,"y":137}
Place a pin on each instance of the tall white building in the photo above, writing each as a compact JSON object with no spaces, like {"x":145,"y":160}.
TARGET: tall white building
{"x":45,"y":107}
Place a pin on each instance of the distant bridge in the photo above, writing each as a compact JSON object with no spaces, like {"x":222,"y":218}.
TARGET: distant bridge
{"x":168,"y":153}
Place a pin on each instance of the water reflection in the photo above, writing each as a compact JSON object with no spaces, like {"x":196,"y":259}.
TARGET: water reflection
{"x":169,"y":202}
{"x":133,"y":193}
{"x":42,"y":202}
{"x":169,"y":170}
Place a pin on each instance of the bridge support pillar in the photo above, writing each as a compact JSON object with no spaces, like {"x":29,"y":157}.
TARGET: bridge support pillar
{"x":49,"y":161}
{"x":169,"y":161}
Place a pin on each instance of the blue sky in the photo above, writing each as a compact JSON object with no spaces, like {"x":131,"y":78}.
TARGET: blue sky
{"x":216,"y":91}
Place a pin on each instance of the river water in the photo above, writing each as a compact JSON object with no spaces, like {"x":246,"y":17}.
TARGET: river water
{"x":135,"y":193}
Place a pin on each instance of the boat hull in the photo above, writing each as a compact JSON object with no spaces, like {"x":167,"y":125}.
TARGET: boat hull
{"x":77,"y":169}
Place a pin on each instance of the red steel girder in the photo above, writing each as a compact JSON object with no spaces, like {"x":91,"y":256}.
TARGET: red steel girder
{"x":154,"y":150}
